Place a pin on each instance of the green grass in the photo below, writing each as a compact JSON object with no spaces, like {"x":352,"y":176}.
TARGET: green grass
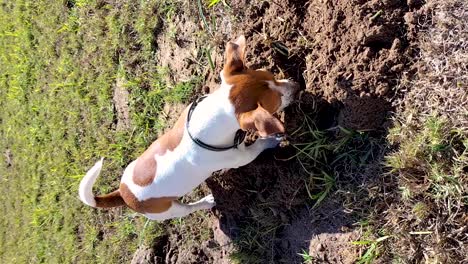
{"x":436,"y":153}
{"x":58,"y":70}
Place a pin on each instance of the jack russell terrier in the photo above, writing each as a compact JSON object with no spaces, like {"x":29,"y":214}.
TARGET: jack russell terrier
{"x":201,"y":142}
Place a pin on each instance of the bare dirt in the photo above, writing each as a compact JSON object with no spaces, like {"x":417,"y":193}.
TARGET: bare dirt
{"x":350,"y":58}
{"x":120,"y":99}
{"x":178,"y":50}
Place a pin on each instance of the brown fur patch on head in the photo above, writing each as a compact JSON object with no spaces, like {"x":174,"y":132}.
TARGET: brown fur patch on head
{"x":151,"y":205}
{"x":251,"y":88}
{"x":255,"y":102}
{"x":145,"y":168}
{"x":253,"y":99}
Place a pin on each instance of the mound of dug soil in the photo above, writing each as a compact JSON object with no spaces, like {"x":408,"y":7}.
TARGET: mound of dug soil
{"x":352,"y":53}
{"x":349,"y":57}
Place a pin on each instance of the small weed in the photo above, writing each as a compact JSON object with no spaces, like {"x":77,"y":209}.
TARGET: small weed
{"x":326,"y":183}
{"x":372,"y":251}
{"x":202,"y":15}
{"x":405,"y":193}
{"x":376,"y":15}
{"x":207,"y":52}
{"x":306,"y":257}
{"x":212,"y":3}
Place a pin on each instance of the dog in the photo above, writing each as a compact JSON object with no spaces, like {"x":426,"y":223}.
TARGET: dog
{"x":207,"y":137}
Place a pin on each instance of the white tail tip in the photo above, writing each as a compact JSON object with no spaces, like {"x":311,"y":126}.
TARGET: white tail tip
{"x":86,"y":185}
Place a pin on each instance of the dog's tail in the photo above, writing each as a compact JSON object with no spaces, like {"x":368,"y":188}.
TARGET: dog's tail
{"x":112,"y":199}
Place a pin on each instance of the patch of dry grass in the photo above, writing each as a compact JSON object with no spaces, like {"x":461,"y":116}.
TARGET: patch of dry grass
{"x":427,"y":218}
{"x":443,"y":76}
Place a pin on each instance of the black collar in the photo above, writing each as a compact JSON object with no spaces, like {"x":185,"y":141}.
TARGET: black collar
{"x":238,"y":139}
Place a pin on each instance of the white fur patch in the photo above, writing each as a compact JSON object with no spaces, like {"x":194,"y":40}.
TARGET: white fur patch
{"x":86,"y":185}
{"x":285,"y":90}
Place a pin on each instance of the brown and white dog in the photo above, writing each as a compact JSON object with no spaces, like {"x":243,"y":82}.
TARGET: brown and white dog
{"x":184,"y":157}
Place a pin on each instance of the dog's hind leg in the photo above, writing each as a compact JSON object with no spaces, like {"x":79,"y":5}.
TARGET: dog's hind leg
{"x":178,"y":209}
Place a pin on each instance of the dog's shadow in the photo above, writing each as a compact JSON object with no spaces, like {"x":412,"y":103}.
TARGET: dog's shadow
{"x":265,"y":211}
{"x":262,"y":197}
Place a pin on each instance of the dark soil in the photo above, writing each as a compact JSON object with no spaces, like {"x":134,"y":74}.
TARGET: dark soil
{"x":350,"y":58}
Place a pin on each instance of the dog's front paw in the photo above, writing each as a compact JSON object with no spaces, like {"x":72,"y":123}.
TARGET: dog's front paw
{"x":209,"y":201}
{"x":269,"y":142}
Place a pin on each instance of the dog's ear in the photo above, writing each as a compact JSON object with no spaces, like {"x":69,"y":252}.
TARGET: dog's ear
{"x":235,"y":52}
{"x":262,"y":121}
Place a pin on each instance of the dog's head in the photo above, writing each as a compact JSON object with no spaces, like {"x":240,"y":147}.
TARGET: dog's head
{"x":255,"y":94}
